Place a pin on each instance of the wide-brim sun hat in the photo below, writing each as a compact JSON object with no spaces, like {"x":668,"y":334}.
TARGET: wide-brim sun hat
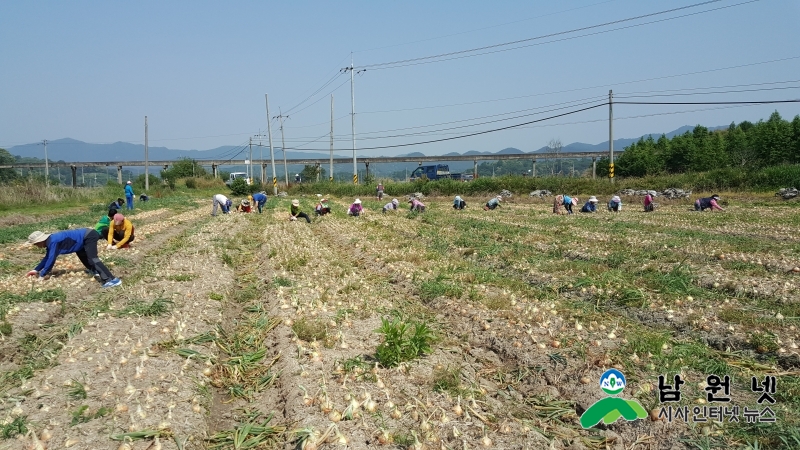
{"x":296,"y":202}
{"x":615,"y":198}
{"x":37,"y":236}
{"x":593,"y":199}
{"x":129,"y":182}
{"x":575,"y":201}
{"x":358,"y":201}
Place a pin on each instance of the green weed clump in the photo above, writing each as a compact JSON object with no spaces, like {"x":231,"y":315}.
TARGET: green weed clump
{"x":403,"y":341}
{"x":158,"y":307}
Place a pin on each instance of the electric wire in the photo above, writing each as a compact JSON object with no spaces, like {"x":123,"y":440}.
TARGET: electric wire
{"x":708,"y":93}
{"x":558,"y":40}
{"x":471,"y":134}
{"x":446,"y":56}
{"x":321,"y":98}
{"x":766,"y":83}
{"x":422,"y":133}
{"x":338,"y":73}
{"x":484,"y":28}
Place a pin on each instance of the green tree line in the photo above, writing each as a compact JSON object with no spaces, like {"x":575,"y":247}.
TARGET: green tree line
{"x":769,"y":143}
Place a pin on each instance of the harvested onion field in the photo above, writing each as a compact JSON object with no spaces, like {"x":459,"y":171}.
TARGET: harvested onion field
{"x":443,"y":330}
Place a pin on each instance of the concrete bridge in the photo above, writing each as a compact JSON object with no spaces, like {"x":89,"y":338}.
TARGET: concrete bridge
{"x":319,"y":162}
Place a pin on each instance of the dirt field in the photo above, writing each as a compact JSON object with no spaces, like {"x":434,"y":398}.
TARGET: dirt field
{"x":251,"y":331}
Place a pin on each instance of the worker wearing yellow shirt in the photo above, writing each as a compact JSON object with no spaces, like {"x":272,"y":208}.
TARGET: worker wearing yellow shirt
{"x":122,"y":234}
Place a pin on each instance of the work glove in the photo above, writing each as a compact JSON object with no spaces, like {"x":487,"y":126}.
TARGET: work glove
{"x":109,"y":247}
{"x":32,"y":273}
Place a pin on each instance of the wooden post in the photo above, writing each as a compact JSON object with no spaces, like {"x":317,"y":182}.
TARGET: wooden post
{"x":474,"y":168}
{"x":594,"y":167}
{"x":214,"y":170}
{"x":74,"y":177}
{"x":534,"y":168}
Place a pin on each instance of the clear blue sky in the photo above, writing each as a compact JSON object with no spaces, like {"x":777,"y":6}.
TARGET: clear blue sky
{"x":91,"y":70}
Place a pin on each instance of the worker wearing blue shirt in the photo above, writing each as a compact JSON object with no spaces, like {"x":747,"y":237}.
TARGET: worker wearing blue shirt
{"x":82,"y":242}
{"x":129,"y":195}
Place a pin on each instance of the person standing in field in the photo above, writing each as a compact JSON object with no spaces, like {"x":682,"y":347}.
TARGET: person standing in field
{"x":104,"y":223}
{"x":649,"y":206}
{"x":705,"y":203}
{"x":259,"y":199}
{"x":121,"y":235}
{"x":129,"y":195}
{"x":295,"y":210}
{"x":379,"y":191}
{"x":459,"y":203}
{"x":355,"y":209}
{"x":493,"y":203}
{"x":416,"y":205}
{"x":82,"y":242}
{"x":223,"y":203}
{"x":615,"y":205}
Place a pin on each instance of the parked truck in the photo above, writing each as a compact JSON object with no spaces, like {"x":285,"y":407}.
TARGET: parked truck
{"x":235,"y":175}
{"x":437,"y":172}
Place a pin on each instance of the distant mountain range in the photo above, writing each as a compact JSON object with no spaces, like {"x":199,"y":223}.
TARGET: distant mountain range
{"x":72,"y":150}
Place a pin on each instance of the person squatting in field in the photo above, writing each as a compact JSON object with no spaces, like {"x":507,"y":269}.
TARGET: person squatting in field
{"x":322,"y":207}
{"x":416,"y":205}
{"x":391,"y":206}
{"x":223,"y":203}
{"x":244,"y":206}
{"x":615,"y":205}
{"x":104,"y":223}
{"x":493,"y":203}
{"x":649,"y":206}
{"x":120,"y":234}
{"x":458,"y":203}
{"x":82,"y":242}
{"x":295,"y":211}
{"x":117,"y":204}
{"x":259,"y":200}
{"x":705,"y":203}
{"x":590,"y":206}
{"x":355,"y":209}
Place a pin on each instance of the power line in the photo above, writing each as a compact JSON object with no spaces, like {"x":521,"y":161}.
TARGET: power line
{"x":663,"y":77}
{"x":476,"y":133}
{"x":572,"y":103}
{"x":763,"y":102}
{"x":565,"y":114}
{"x":708,"y":93}
{"x":768,"y":83}
{"x":321,"y":88}
{"x":454,"y":55}
{"x":484,"y":28}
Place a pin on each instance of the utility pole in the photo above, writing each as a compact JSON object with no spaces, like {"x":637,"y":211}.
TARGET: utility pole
{"x":283,"y":147}
{"x":46,"y":165}
{"x":271,"y":150}
{"x":250,"y":167}
{"x":353,"y":117}
{"x":611,"y":135}
{"x":146,"y":159}
{"x":331,"y":165}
